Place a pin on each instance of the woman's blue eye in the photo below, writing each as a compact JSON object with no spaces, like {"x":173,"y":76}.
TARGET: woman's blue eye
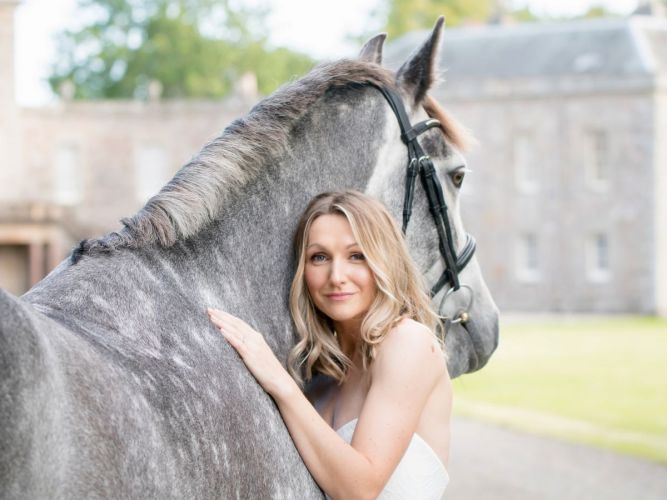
{"x":358,"y":256}
{"x":316,"y":257}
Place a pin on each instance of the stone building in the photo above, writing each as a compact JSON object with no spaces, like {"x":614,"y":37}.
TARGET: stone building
{"x":73,"y":170}
{"x":564,"y":199}
{"x":568,"y":195}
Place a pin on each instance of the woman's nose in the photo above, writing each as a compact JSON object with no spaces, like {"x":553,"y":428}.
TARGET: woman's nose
{"x":338,"y":273}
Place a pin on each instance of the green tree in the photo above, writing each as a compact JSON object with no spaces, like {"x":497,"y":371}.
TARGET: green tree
{"x":525,"y":15}
{"x":402,"y":16}
{"x":597,"y":11}
{"x":397,"y":17}
{"x":193,"y":48}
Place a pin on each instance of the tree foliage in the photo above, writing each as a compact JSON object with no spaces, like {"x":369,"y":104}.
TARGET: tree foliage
{"x":402,"y":16}
{"x":397,"y":17}
{"x":193,"y":48}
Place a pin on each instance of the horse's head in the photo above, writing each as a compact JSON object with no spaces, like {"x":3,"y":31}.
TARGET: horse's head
{"x":439,"y":243}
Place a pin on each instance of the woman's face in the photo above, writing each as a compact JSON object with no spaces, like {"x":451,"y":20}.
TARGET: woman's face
{"x":337,"y":275}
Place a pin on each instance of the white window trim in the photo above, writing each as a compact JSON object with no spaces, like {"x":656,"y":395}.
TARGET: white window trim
{"x":70,"y":191}
{"x":522,"y":273}
{"x":595,"y":274}
{"x":524,"y":185}
{"x":594,"y":182}
{"x":143,"y":190}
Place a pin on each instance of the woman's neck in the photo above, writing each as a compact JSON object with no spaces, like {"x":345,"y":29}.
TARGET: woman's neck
{"x":349,"y":336}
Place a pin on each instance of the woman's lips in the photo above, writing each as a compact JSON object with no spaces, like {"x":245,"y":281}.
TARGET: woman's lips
{"x":339,"y":296}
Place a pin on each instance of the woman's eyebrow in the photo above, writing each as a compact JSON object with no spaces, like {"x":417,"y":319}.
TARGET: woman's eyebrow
{"x":355,"y":244}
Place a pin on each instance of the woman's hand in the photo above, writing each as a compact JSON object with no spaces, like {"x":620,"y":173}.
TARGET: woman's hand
{"x":255,"y":352}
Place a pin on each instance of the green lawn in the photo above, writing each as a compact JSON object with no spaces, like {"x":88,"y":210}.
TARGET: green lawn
{"x":600,"y":381}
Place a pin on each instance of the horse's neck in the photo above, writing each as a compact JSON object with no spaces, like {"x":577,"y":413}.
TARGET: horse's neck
{"x":242,"y":261}
{"x":250,"y":245}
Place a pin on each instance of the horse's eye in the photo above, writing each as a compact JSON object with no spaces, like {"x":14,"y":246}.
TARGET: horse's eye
{"x":457,"y":177}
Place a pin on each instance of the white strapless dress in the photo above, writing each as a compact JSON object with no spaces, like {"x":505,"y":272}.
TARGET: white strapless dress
{"x":420,"y":475}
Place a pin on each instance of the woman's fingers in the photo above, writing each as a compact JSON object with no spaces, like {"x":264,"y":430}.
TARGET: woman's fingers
{"x":232,"y":324}
{"x":253,"y":349}
{"x":238,"y":333}
{"x":220,"y":318}
{"x":233,"y":321}
{"x":235,"y":341}
{"x":229,"y":330}
{"x":224,"y":318}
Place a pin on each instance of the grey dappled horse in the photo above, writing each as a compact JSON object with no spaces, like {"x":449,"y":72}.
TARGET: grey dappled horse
{"x":114,"y":384}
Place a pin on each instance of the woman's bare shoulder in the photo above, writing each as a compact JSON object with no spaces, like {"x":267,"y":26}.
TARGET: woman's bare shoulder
{"x":410,"y":342}
{"x":408,"y":332}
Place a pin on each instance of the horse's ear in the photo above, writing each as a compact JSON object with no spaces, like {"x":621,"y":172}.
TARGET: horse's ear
{"x":417,"y":74}
{"x":372,"y":49}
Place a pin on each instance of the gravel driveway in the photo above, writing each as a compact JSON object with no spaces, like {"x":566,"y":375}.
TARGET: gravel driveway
{"x":491,"y":462}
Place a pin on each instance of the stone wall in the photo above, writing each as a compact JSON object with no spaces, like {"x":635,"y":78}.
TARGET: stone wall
{"x":659,"y":166}
{"x":561,"y":208}
{"x":102,"y":143}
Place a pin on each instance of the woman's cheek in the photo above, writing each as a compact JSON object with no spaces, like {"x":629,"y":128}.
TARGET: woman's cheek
{"x":365,"y":276}
{"x":313,"y":280}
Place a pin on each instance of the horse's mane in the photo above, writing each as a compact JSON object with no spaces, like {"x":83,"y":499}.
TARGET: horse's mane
{"x":196,"y":194}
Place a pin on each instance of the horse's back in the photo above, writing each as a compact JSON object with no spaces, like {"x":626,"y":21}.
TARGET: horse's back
{"x":65,"y":430}
{"x":98,"y":414}
{"x":25,"y":367}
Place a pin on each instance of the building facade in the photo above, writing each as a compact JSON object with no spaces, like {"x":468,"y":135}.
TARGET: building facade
{"x":567,"y":195}
{"x":566,"y":199}
{"x":74,"y":169}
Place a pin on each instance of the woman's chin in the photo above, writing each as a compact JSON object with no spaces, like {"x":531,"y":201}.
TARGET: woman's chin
{"x":341,"y":316}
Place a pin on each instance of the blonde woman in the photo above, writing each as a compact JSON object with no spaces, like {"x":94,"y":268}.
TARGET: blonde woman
{"x":375,"y":419}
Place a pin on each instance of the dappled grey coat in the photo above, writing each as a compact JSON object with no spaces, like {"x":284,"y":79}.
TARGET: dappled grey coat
{"x":114,"y":384}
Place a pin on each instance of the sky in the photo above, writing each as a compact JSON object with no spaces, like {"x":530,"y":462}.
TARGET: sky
{"x":311,"y":26}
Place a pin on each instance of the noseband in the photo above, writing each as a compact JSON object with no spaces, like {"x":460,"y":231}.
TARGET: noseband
{"x":419,"y":163}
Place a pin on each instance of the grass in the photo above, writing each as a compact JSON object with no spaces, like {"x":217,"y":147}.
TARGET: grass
{"x":600,"y":381}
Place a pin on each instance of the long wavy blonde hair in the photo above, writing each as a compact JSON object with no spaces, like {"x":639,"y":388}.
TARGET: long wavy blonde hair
{"x":400,"y":292}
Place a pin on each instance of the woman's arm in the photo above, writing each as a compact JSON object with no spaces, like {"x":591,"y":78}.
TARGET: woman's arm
{"x":407,"y":366}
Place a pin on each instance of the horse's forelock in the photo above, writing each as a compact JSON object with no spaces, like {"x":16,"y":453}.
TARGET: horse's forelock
{"x":455,"y":133}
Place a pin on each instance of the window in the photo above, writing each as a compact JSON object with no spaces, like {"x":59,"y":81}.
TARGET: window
{"x":527,"y":258}
{"x":596,"y":159}
{"x":526,"y":167}
{"x":68,"y":180}
{"x":597,"y":258}
{"x":150,"y":170}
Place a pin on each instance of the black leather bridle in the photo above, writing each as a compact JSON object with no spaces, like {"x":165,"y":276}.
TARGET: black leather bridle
{"x":419,"y":163}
